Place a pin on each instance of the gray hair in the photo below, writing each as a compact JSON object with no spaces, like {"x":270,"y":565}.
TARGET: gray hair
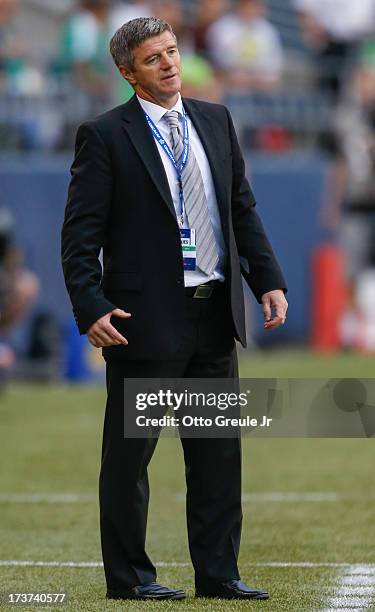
{"x":132,"y":34}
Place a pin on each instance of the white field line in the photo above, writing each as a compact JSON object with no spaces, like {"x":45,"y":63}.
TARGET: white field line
{"x":351,"y":567}
{"x":361,"y":569}
{"x":360,"y":591}
{"x":14,"y":563}
{"x":264,"y":497}
{"x":293,"y":497}
{"x":46,"y":498}
{"x":349,"y":570}
{"x":354,"y":590}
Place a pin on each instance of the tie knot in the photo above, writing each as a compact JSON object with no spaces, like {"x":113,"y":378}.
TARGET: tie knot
{"x":171,"y":118}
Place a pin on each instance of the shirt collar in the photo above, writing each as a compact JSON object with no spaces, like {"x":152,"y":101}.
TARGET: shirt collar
{"x":156,"y":112}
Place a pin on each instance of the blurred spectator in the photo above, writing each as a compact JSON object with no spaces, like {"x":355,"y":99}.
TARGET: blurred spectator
{"x":351,"y":204}
{"x":125,"y":11}
{"x":17,"y":75}
{"x":173,"y":13}
{"x":18,"y":286}
{"x":332,"y":28}
{"x":246,"y":48}
{"x":207,"y":12}
{"x":84,"y":51}
{"x":199,"y":79}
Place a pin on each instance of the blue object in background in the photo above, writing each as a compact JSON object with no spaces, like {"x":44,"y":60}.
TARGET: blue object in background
{"x":75,"y":354}
{"x":289,"y":192}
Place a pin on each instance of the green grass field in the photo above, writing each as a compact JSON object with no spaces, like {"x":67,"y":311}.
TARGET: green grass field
{"x":305,"y":501}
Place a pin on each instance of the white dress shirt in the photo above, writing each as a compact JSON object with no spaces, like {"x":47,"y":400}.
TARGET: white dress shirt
{"x":156,"y":113}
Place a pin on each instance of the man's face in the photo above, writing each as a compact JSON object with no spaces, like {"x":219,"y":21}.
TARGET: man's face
{"x":157,"y":67}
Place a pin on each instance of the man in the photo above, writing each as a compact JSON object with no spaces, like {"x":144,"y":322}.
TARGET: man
{"x":84,"y":44}
{"x":332,"y":29}
{"x":246,"y":48}
{"x":19,"y":287}
{"x":156,"y":312}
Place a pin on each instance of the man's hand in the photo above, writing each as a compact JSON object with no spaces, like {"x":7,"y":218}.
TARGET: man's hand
{"x":102,"y":333}
{"x":274,"y":301}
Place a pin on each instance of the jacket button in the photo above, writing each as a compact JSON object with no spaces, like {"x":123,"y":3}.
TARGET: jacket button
{"x":179,"y":282}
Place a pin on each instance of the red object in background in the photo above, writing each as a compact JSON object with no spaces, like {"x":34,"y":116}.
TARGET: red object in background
{"x":273,"y":138}
{"x":328,"y":297}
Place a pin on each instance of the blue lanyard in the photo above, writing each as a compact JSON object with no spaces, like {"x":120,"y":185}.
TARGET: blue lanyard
{"x":179,"y":167}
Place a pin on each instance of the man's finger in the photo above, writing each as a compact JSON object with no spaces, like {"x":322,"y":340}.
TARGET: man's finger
{"x":103,"y":338}
{"x":112,"y":331}
{"x":106,"y":336}
{"x":275,"y":322}
{"x":93,"y":342}
{"x":280,"y":310}
{"x":117,"y":312}
{"x":99,"y":341}
{"x":267,"y":310}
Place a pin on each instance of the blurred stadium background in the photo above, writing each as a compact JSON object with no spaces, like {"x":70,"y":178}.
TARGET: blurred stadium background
{"x":299,"y":79}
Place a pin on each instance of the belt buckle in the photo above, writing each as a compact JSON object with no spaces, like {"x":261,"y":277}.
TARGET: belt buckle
{"x":203,"y":292}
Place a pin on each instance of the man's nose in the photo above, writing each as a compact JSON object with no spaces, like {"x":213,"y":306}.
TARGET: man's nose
{"x":166,"y":61}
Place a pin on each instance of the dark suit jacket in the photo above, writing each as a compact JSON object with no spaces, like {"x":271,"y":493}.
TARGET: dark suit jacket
{"x":119,"y":200}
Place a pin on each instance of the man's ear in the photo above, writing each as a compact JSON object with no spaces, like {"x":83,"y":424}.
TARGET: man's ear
{"x":128,"y":75}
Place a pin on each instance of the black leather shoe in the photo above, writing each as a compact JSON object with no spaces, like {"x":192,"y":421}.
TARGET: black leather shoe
{"x":232,"y":589}
{"x":153,"y":590}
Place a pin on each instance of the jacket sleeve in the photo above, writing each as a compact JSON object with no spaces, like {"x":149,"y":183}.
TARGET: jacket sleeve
{"x":85,"y":227}
{"x":262,"y":273}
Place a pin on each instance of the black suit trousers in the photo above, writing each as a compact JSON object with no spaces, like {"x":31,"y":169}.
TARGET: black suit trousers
{"x":213,"y":466}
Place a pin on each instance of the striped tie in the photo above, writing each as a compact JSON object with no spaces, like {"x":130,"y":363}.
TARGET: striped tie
{"x":195,"y":200}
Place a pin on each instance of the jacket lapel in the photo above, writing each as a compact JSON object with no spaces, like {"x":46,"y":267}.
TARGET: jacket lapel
{"x":136,"y":126}
{"x":212,"y":147}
